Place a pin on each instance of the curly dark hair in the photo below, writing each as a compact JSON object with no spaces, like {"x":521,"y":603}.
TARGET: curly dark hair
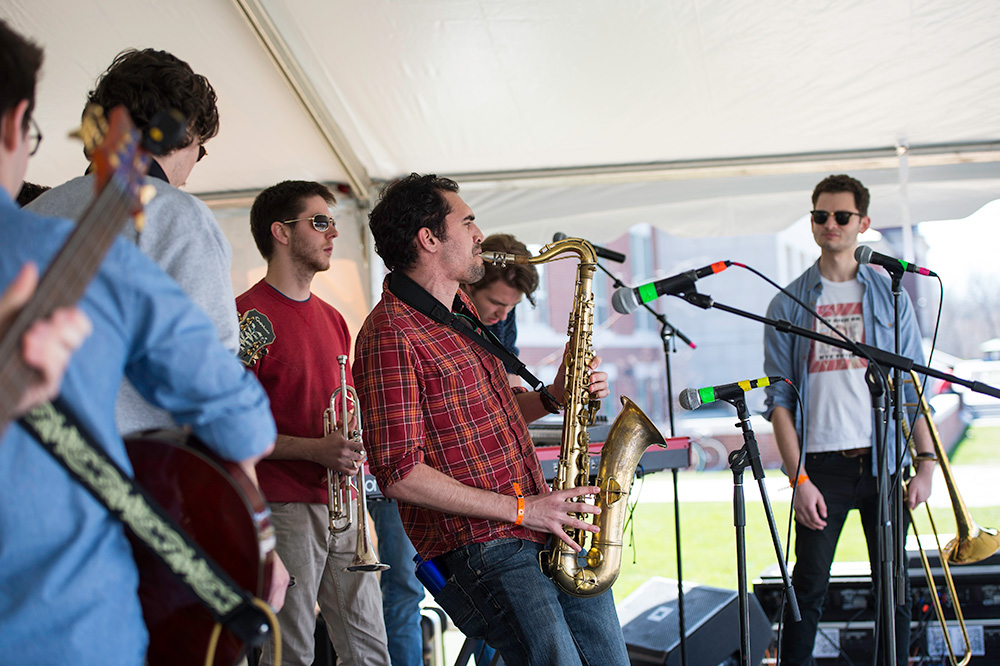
{"x":29,"y":192}
{"x":844,"y":183}
{"x":284,"y":201}
{"x":20,"y":60}
{"x":404,"y":208}
{"x":149,"y":81}
{"x":523,"y":277}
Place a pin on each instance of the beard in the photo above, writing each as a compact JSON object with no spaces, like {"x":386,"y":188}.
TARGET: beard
{"x":476,"y":273}
{"x":309,"y":258}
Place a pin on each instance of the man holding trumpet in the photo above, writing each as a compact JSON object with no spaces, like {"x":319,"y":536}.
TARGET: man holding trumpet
{"x":291,"y":340}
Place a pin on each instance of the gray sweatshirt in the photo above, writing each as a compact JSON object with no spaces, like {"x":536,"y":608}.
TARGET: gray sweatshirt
{"x":183,"y":237}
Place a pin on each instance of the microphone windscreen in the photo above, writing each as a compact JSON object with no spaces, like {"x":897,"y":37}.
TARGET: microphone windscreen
{"x":690,"y":399}
{"x":558,"y":236}
{"x":624,"y":301}
{"x":863,"y":254}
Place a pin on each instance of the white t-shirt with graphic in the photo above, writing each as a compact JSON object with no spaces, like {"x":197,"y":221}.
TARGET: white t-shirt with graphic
{"x":839,"y":415}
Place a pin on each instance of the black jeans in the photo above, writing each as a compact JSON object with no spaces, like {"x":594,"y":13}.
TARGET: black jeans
{"x":846,"y":483}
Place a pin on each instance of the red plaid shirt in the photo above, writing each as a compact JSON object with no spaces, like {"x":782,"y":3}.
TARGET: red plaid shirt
{"x":429,"y":395}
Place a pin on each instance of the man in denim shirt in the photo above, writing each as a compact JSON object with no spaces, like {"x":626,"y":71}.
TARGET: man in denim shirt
{"x":839,"y":468}
{"x":68,"y":580}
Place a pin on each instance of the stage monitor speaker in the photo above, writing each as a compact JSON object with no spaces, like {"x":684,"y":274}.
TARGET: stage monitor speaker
{"x":711,"y":618}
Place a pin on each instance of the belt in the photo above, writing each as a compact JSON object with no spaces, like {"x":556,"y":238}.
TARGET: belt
{"x":846,"y":453}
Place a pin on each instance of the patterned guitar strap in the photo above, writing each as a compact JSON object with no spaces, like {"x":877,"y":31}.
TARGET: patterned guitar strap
{"x":64,"y":437}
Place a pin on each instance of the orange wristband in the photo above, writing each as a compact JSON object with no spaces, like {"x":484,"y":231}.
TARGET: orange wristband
{"x":520,"y":504}
{"x":799,"y":481}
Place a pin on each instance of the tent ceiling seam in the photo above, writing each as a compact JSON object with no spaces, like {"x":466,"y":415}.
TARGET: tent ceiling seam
{"x":278,"y":51}
{"x":853,"y":160}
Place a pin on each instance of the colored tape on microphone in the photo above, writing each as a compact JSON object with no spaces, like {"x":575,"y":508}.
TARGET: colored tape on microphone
{"x":647,"y":292}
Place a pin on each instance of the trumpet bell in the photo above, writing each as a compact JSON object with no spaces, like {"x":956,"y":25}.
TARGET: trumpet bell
{"x":366,"y":566}
{"x":365,"y":558}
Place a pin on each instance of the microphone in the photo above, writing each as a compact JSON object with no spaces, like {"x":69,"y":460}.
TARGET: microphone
{"x":602,"y":252}
{"x":694,"y":398}
{"x":628,"y":299}
{"x":865,"y":255}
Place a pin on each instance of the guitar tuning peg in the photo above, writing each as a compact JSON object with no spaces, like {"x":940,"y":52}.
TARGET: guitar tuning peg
{"x":93,"y":126}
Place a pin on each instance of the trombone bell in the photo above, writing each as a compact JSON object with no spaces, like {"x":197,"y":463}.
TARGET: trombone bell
{"x":972,"y":543}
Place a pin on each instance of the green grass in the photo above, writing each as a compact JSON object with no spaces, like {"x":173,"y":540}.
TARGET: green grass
{"x":981,"y":446}
{"x":709,"y":541}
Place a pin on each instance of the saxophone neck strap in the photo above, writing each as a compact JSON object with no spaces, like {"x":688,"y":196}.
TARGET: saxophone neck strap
{"x":461,"y":319}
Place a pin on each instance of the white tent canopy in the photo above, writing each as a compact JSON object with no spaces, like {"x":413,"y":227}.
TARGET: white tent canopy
{"x":702,"y":117}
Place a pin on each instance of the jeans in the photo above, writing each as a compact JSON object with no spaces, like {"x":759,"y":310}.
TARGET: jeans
{"x":497,"y":591}
{"x":401,"y":591}
{"x":846,"y":483}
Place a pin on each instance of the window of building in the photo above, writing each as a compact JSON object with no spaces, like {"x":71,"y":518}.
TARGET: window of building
{"x":640,"y":241}
{"x":538,"y":315}
{"x":602,"y":301}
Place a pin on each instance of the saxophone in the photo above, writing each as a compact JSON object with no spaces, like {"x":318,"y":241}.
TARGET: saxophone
{"x":631,"y":434}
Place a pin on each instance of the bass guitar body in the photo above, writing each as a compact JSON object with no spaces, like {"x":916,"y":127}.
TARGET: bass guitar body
{"x":218,"y":506}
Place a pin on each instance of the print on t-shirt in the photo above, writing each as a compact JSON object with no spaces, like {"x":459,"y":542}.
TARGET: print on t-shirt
{"x":846,"y":318}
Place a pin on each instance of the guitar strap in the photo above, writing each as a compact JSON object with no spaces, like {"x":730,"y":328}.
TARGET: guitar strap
{"x":462,"y":320}
{"x":63,"y":436}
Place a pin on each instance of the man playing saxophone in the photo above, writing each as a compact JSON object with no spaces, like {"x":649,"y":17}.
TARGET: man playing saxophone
{"x":447,"y":438}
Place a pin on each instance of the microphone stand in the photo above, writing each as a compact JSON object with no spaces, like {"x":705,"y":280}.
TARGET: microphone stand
{"x":880,"y":356}
{"x":892,"y":586}
{"x":749,"y":454}
{"x":667,"y":332}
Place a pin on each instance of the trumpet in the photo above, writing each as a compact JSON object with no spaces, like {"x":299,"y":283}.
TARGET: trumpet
{"x":972,"y":543}
{"x":342,"y":488}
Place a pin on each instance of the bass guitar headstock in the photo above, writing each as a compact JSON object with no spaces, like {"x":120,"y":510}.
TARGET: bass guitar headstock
{"x":120,"y":154}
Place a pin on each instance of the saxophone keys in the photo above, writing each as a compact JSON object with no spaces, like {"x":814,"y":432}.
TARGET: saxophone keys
{"x":611,"y":491}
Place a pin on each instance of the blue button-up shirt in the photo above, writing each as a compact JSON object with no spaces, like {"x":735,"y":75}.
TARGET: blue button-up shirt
{"x":67,"y":578}
{"x":787,"y":355}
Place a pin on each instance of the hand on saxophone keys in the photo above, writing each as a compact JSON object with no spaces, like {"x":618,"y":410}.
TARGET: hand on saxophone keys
{"x":554,"y":512}
{"x":598,"y":386}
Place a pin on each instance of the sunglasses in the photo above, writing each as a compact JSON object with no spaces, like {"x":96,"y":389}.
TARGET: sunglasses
{"x":841,"y":217}
{"x":320,"y":222}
